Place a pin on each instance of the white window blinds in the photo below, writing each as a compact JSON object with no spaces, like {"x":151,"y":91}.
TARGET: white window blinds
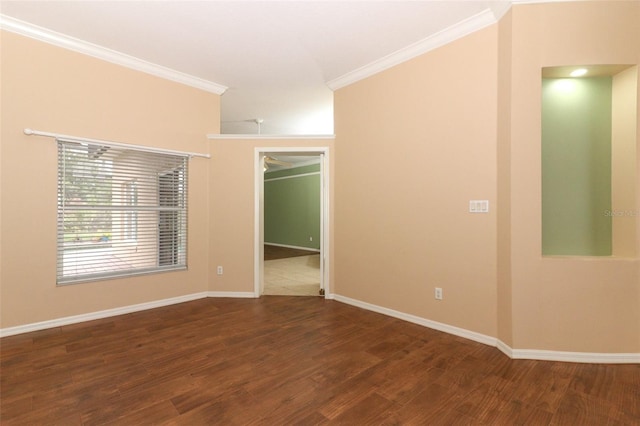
{"x":121,"y":211}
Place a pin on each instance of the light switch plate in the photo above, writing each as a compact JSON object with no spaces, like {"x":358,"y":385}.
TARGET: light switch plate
{"x":479,"y":206}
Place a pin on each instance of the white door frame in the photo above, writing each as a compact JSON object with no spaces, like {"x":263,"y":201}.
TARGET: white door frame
{"x":259,"y":155}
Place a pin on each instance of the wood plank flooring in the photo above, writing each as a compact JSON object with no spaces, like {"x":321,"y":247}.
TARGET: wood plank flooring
{"x":292,"y":360}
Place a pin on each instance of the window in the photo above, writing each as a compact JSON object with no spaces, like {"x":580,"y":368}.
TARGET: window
{"x":130,"y":216}
{"x":121,"y":212}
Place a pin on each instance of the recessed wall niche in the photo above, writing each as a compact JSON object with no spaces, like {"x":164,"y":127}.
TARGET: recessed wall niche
{"x":589,"y":162}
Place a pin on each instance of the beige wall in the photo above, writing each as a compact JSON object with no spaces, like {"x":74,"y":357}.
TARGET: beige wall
{"x":52,"y":89}
{"x":624,"y":113}
{"x":565,"y":304}
{"x":413,"y":145}
{"x":504,"y":284}
{"x":463,"y":122}
{"x":232,"y":214}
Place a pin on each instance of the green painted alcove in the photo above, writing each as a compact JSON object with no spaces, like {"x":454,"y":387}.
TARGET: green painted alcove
{"x":576,"y":166}
{"x":588,"y":161}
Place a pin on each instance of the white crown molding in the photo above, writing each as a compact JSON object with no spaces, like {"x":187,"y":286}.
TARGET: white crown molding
{"x":533,"y":354}
{"x":42,"y":34}
{"x":515,"y":2}
{"x":459,"y":30}
{"x":214,"y":136}
{"x":307,"y":163}
{"x":59,"y":322}
{"x":500,"y":9}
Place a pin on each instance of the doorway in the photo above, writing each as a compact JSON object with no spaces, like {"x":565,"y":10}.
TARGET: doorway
{"x":292,"y":260}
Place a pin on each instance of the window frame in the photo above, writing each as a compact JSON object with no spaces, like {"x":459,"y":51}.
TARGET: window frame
{"x":126,"y":209}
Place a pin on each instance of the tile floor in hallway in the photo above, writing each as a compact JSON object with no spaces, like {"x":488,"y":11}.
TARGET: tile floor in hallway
{"x":292,"y":276}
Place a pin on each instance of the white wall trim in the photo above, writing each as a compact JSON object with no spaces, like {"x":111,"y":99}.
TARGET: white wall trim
{"x":234,"y":294}
{"x":516,"y":2}
{"x":59,"y":322}
{"x":581,"y":357}
{"x":259,"y":153}
{"x":292,"y":247}
{"x":456,"y":331}
{"x":71,"y":43}
{"x":213,"y":136}
{"x":296,"y":166}
{"x":472,"y":24}
{"x":533,"y":354}
{"x":504,"y":348}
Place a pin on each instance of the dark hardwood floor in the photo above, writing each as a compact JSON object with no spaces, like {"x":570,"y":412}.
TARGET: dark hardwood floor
{"x":292,"y":360}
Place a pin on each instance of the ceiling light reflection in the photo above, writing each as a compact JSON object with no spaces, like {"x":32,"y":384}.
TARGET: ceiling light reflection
{"x":578,"y":72}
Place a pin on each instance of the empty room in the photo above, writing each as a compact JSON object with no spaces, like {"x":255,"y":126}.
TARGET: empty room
{"x":460,"y":177}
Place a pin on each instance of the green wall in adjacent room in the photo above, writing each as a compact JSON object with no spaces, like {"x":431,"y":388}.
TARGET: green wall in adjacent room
{"x":576,"y":166}
{"x":292,"y":207}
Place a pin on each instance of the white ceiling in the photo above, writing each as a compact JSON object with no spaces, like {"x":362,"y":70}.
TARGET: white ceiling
{"x":278,"y":59}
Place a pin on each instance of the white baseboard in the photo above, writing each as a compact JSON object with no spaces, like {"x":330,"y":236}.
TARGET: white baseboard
{"x":504,"y":348}
{"x":59,"y":322}
{"x":533,"y":354}
{"x":292,"y":247}
{"x":456,"y":331}
{"x":563,"y":356}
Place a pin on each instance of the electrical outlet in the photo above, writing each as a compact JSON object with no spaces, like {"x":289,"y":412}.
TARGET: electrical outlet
{"x":310,"y":238}
{"x":438,"y":293}
{"x":220,"y":271}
